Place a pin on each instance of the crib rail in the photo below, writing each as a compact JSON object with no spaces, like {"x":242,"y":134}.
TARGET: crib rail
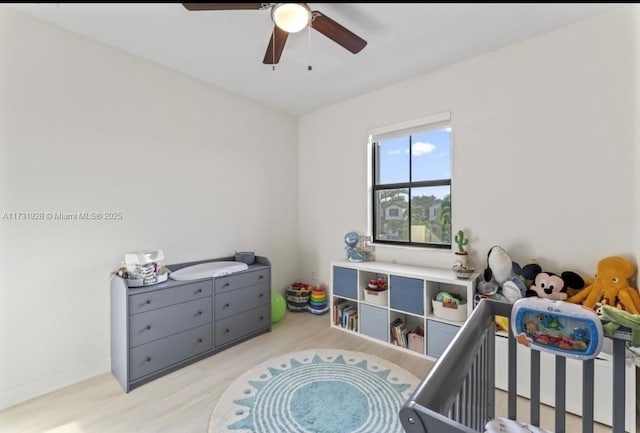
{"x":458,"y":394}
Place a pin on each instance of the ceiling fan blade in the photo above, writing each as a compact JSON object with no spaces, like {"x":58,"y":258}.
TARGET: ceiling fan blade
{"x":336,"y":32}
{"x":222,"y":6}
{"x":276,"y":45}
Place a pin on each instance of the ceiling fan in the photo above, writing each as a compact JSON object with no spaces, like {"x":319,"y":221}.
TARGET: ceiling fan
{"x":290,"y":18}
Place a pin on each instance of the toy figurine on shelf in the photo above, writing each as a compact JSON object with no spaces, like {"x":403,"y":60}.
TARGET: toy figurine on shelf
{"x":357,"y":248}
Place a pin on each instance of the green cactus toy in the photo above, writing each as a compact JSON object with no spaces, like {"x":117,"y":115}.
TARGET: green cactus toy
{"x":461,"y":241}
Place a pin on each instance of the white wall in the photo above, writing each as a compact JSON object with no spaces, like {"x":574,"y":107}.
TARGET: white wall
{"x":194,"y":170}
{"x":543,"y":147}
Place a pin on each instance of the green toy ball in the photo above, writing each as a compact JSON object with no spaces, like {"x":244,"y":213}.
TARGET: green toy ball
{"x":278,"y":307}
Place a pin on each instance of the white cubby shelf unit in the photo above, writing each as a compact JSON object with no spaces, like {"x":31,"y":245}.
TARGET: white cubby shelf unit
{"x":405,"y":318}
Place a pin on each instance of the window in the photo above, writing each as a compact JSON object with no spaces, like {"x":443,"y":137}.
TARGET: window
{"x":410,"y":183}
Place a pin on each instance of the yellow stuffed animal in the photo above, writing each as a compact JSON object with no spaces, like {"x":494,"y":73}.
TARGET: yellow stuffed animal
{"x":610,"y":286}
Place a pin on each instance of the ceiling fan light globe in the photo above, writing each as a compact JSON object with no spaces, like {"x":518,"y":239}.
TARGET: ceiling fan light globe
{"x":291,"y":17}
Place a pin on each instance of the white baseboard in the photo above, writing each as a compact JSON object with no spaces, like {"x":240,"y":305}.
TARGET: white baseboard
{"x":36,"y":389}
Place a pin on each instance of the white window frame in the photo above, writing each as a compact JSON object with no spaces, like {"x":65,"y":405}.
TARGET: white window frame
{"x":395,"y":130}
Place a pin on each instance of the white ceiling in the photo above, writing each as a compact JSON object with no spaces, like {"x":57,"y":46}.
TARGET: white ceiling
{"x":226,"y":48}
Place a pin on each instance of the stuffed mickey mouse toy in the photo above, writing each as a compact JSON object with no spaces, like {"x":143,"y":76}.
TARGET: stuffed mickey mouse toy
{"x":549,"y":285}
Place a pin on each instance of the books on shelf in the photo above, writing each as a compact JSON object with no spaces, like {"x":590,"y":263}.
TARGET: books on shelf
{"x":345,"y":315}
{"x":409,"y":338}
{"x":398,"y":332}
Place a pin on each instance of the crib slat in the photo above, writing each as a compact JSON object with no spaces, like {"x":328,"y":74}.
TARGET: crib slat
{"x":465,"y":403}
{"x":617,"y":426}
{"x":587,"y":395}
{"x":561,"y":385}
{"x":491,"y":370}
{"x":512,"y":375}
{"x":483,"y":383}
{"x":472,"y":394}
{"x":476,"y":394}
{"x":454,"y":412}
{"x":480,"y":392}
{"x":535,"y":388}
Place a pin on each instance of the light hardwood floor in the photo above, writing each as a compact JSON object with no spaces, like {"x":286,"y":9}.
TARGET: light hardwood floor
{"x":183,"y":400}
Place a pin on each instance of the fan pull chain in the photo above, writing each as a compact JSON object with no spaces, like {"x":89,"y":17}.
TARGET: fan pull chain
{"x":309,"y":48}
{"x":273,"y":49}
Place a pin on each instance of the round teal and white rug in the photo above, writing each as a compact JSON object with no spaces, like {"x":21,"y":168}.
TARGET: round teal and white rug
{"x":316,"y":391}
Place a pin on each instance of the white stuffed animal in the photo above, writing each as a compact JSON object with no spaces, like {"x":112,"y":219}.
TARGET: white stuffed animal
{"x":502,"y":274}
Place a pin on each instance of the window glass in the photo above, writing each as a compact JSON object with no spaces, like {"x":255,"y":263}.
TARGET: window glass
{"x":431,"y":155}
{"x":393,"y":160}
{"x":411,"y":185}
{"x":431,"y":215}
{"x":391,"y":211}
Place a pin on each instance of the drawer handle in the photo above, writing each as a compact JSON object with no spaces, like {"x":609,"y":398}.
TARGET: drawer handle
{"x":261,"y":277}
{"x":226,"y":331}
{"x":148,"y":301}
{"x":261,"y":317}
{"x":148,"y":328}
{"x":199,"y":313}
{"x":225,"y":285}
{"x":198,"y":291}
{"x":148,"y":359}
{"x":199,"y":340}
{"x":226,"y":305}
{"x":261,"y":295}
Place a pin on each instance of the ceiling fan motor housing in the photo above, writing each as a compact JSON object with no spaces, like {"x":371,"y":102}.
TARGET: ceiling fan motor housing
{"x":291,"y":17}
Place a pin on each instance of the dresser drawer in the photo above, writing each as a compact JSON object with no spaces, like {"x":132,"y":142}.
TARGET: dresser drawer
{"x":149,"y":326}
{"x":159,"y":354}
{"x":162,"y":298}
{"x":229,"y":303}
{"x":234,"y":327}
{"x":235,"y":281}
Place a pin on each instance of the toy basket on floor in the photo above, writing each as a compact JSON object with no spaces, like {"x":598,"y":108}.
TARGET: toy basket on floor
{"x":298,"y":295}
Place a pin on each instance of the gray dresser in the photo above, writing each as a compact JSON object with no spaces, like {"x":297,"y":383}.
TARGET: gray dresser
{"x":160,"y":328}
